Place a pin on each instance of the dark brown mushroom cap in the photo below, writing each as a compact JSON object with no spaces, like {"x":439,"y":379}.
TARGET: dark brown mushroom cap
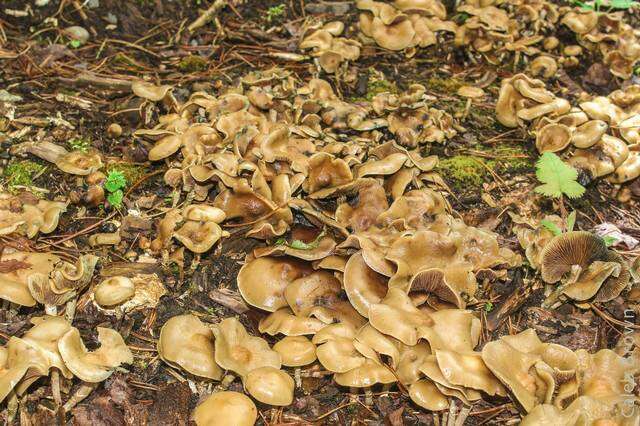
{"x":572,"y":248}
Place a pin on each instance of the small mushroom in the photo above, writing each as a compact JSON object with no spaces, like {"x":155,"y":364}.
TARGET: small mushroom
{"x":296,"y":351}
{"x":188,"y":343}
{"x":97,"y":365}
{"x":114,"y":291}
{"x":238,"y":351}
{"x":396,"y":316}
{"x":427,"y":395}
{"x":225,"y":409}
{"x":270,"y":385}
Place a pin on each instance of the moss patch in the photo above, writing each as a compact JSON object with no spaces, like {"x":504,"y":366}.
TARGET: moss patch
{"x":22,"y":173}
{"x":471,"y":171}
{"x":79,"y":144}
{"x":444,"y":85}
{"x":192,"y":63}
{"x":132,"y":172}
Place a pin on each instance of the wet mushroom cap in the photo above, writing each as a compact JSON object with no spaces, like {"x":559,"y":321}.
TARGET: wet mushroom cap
{"x":114,"y":291}
{"x":224,"y":409}
{"x":270,"y":385}
{"x":296,"y":351}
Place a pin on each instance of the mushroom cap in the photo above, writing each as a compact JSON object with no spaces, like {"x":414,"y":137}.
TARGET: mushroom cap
{"x":203,"y":213}
{"x":396,"y":36}
{"x":187,"y":342}
{"x":296,"y":351}
{"x":283,"y":321}
{"x":426,"y":394}
{"x":589,"y":133}
{"x":198,"y":237}
{"x":553,"y":137}
{"x":363,"y":285}
{"x":339,"y":354}
{"x":470,"y":92}
{"x":270,"y":385}
{"x":566,"y":250}
{"x":581,"y":21}
{"x":97,"y":365}
{"x":366,"y":375}
{"x":262,"y":281}
{"x":396,"y":316}
{"x":114,"y":291}
{"x":544,"y":66}
{"x":468,"y":370}
{"x":165,"y":147}
{"x":317,"y":288}
{"x":80,"y":163}
{"x":150,"y":91}
{"x":628,"y":170}
{"x":238,"y":351}
{"x":44,"y":335}
{"x":224,"y":409}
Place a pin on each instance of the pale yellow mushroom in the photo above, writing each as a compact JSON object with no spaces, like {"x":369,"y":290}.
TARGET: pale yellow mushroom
{"x":296,"y":351}
{"x":114,"y":291}
{"x":270,"y":385}
{"x":225,"y":409}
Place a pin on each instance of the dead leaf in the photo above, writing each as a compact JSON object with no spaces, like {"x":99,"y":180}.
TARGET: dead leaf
{"x":7,"y":266}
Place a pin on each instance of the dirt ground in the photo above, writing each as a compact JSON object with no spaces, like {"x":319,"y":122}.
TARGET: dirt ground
{"x":149,"y":38}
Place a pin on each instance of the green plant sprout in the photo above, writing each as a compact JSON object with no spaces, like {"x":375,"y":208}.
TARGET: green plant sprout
{"x":558,"y":179}
{"x":114,"y":184}
{"x":570,"y":223}
{"x":301,"y":245}
{"x":275,"y":12}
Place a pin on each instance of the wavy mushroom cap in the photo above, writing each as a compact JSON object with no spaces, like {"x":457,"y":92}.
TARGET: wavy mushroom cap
{"x":628,"y":170}
{"x":270,"y":385}
{"x":165,"y":147}
{"x":283,"y":321}
{"x":150,"y":91}
{"x":80,"y":162}
{"x":553,"y":137}
{"x":188,"y":343}
{"x":363,"y":286}
{"x":44,"y":335}
{"x":238,"y":351}
{"x":97,"y":365}
{"x":199,"y":237}
{"x":588,"y":134}
{"x":262,"y":281}
{"x":366,"y":375}
{"x":114,"y":291}
{"x":296,"y":351}
{"x":426,"y":394}
{"x":544,"y":66}
{"x":577,"y":248}
{"x":225,"y":409}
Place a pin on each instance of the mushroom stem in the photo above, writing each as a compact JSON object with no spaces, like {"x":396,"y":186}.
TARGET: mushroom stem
{"x":368,"y":397}
{"x":79,"y":395}
{"x":297,"y":378}
{"x":12,"y":407}
{"x":55,"y":386}
{"x":552,"y":300}
{"x":226,"y":381}
{"x":50,"y":310}
{"x":464,"y":413}
{"x":70,"y":311}
{"x":451,"y":419}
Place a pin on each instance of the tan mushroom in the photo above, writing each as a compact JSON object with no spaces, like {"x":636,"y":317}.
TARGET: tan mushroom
{"x":296,"y":351}
{"x":150,"y":91}
{"x":553,"y":137}
{"x":396,"y":316}
{"x":366,"y":375}
{"x":544,"y":66}
{"x":270,"y":385}
{"x":114,"y":291}
{"x":98,"y":365}
{"x":189,"y":344}
{"x":577,"y":248}
{"x":226,"y":408}
{"x":262,"y":281}
{"x":283,"y":321}
{"x":426,"y":394}
{"x":238,"y":351}
{"x":362,"y":284}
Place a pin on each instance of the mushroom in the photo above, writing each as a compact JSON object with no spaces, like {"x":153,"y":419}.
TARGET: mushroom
{"x":188,"y":343}
{"x":296,"y":351}
{"x":29,"y":217}
{"x":270,"y":385}
{"x":97,"y":365}
{"x":544,"y":66}
{"x":238,"y":351}
{"x":363,"y":285}
{"x":226,"y":408}
{"x":427,"y":395}
{"x":114,"y":291}
{"x":396,"y":316}
{"x":150,"y":91}
{"x":553,"y":137}
{"x":283,"y":321}
{"x":577,"y":248}
{"x":262,"y":281}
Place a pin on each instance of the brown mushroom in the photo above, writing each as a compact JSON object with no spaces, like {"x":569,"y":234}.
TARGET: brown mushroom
{"x":270,"y":385}
{"x":226,"y":408}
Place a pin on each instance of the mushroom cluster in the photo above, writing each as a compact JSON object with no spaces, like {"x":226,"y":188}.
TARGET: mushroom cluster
{"x":271,"y":149}
{"x":27,"y":215}
{"x":504,"y":30}
{"x":578,"y":263}
{"x":328,"y":48}
{"x":555,"y":385}
{"x":207,"y":350}
{"x":602,"y":131}
{"x":404,"y":24}
{"x":53,"y":343}
{"x":607,"y":35}
{"x":44,"y":278}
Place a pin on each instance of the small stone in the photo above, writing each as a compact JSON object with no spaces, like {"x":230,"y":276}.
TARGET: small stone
{"x":77,"y":32}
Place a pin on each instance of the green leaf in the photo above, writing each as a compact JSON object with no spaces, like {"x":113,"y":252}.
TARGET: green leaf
{"x":557,"y":177}
{"x":301,"y":245}
{"x":115,"y":181}
{"x":75,"y":43}
{"x":555,"y":230}
{"x":609,"y":240}
{"x":115,"y":198}
{"x":622,"y":4}
{"x":488,"y":306}
{"x":571,"y":221}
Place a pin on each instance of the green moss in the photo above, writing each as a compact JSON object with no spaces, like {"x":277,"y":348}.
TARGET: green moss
{"x":79,"y":144}
{"x":445,"y":85}
{"x":470,"y":171}
{"x":462,"y":170}
{"x":192,"y":63}
{"x":132,"y":172}
{"x":376,"y":84}
{"x":22,"y":173}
